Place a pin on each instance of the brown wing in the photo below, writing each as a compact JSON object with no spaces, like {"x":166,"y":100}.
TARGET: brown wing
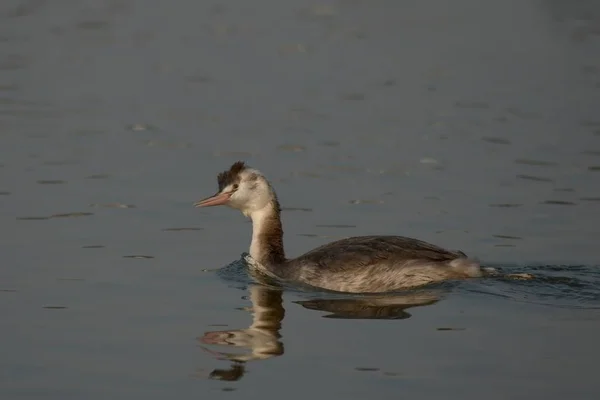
{"x":367,"y":250}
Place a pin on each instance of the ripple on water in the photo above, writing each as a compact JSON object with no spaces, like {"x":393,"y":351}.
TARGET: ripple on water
{"x":365,"y":201}
{"x":236,"y":273}
{"x":508,"y":237}
{"x":558,"y":202}
{"x":565,"y":286}
{"x":450,"y":329}
{"x":429,"y":160}
{"x":496,"y":140}
{"x":329,"y":143}
{"x":72,"y":215}
{"x":296,"y":209}
{"x":534,"y":178}
{"x":140,"y":127}
{"x":32,"y":218}
{"x":506,"y":205}
{"x":51,"y":182}
{"x":367,"y":369}
{"x":93,"y":246}
{"x":589,"y":198}
{"x":139,"y":256}
{"x":594,"y":168}
{"x":4,"y":193}
{"x":296,"y":148}
{"x":112,"y":205}
{"x":537,"y":163}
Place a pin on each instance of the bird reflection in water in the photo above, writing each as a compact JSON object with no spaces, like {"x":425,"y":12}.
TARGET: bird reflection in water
{"x":262,"y":340}
{"x":376,"y":307}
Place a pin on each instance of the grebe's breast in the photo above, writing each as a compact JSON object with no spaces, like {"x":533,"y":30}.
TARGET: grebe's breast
{"x":377,"y":264}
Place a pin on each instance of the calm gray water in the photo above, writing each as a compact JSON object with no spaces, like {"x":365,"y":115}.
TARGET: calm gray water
{"x":471,"y":124}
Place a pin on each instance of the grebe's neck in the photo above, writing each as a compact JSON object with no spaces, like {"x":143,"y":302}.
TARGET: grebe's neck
{"x":267,"y":234}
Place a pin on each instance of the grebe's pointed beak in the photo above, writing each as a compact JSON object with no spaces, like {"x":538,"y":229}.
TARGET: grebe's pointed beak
{"x":216,"y":200}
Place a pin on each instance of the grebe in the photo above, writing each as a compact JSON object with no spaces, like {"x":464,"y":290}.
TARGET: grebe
{"x":363,"y":264}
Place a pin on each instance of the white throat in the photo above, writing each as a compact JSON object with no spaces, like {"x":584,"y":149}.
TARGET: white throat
{"x":259,"y":217}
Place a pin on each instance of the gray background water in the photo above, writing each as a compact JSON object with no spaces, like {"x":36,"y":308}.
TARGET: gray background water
{"x":471,"y":124}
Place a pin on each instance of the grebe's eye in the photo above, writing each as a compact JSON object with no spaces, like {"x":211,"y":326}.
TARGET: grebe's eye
{"x":236,"y":186}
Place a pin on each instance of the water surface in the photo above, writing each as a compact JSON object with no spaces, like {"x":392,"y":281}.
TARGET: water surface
{"x":471,"y":124}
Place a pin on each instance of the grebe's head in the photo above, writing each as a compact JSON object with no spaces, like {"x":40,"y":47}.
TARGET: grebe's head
{"x":241,"y":187}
